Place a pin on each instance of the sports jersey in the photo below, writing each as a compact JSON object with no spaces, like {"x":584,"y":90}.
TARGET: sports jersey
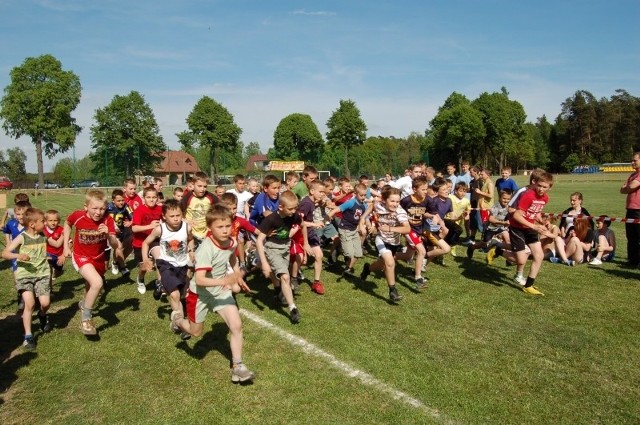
{"x":195,"y":211}
{"x":36,"y":249}
{"x":500,"y":213}
{"x":173,"y":244}
{"x":351,"y":211}
{"x":415,"y":210}
{"x":13,"y":228}
{"x":133,"y":202}
{"x":459,"y":207}
{"x":55,"y":234}
{"x":119,"y":215}
{"x":240,"y":223}
{"x":214,"y":260}
{"x":531,"y":206}
{"x":87,"y":240}
{"x":263,"y":203}
{"x":277,"y":228}
{"x":143,"y":216}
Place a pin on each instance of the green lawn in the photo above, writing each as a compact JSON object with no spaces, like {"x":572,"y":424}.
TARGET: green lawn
{"x":470,"y":349}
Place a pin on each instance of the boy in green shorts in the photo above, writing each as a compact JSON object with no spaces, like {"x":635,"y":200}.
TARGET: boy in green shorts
{"x":32,"y":273}
{"x":212,"y":288}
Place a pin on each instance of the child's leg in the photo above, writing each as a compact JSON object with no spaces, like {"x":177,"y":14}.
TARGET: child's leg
{"x":190,"y":327}
{"x":562,"y":250}
{"x":537,"y":257}
{"x":441,"y":249}
{"x":287,"y":292}
{"x":231,"y":317}
{"x":174,"y":300}
{"x":603,"y":246}
{"x":421,"y":252}
{"x":317,"y":265}
{"x":389,"y":268}
{"x":93,"y":285}
{"x":29,"y":303}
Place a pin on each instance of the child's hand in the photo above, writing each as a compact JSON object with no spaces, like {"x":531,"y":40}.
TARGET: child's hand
{"x":127,"y":223}
{"x":23,"y":257}
{"x":154,"y":223}
{"x":61,"y":259}
{"x":148,"y":264}
{"x":103,"y":228}
{"x":242,"y":286}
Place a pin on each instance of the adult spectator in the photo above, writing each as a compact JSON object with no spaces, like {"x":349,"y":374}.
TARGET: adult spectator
{"x":630,"y":188}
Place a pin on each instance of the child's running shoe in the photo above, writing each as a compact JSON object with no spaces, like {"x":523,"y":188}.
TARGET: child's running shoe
{"x":420,"y":283}
{"x":88,"y":328}
{"x":141,"y":287}
{"x":240,"y":373}
{"x":295,"y":285}
{"x":317,"y":287}
{"x":29,"y":343}
{"x":348,"y":272}
{"x":470,"y":250}
{"x":454,"y":252}
{"x":393,"y":294}
{"x":531,"y":290}
{"x":520,"y":280}
{"x":45,"y":324}
{"x":555,"y":260}
{"x":173,"y":325}
{"x":366,"y":271}
{"x":491,"y":254}
{"x":295,"y":316}
{"x":114,"y":269}
{"x":157,"y":291}
{"x":125,"y":272}
{"x":595,"y":262}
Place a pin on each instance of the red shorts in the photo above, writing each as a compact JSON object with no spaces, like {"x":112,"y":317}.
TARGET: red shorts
{"x":427,"y":238}
{"x":97,"y":263}
{"x":484,"y":216}
{"x":295,"y":250}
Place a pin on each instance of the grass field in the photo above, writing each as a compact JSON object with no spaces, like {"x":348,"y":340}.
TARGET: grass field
{"x":469,"y":349}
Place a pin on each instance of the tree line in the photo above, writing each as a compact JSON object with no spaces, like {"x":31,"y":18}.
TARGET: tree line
{"x":490,"y":130}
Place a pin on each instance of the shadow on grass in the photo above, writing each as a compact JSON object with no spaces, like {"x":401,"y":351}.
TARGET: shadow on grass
{"x":10,"y":339}
{"x":481,"y":272}
{"x":624,"y":273}
{"x":367,"y":286}
{"x":216,"y":339}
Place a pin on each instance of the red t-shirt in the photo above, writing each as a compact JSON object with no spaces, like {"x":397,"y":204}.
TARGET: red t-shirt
{"x":133,"y":202}
{"x":339,"y":199}
{"x":88,"y":241}
{"x":633,"y":198}
{"x":531,"y":206}
{"x":143,"y":216}
{"x":55,"y":234}
{"x":240,"y":223}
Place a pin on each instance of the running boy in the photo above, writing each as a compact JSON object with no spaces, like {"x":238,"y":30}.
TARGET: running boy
{"x":273,"y":247}
{"x":121,"y":214}
{"x":212,"y":288}
{"x":172,"y":253}
{"x":55,"y":245}
{"x":524,"y":230}
{"x":392,"y":221}
{"x":350,"y":229}
{"x":94,"y":229}
{"x":29,"y":250}
{"x":195,"y":205}
{"x":313,"y":219}
{"x":146,"y":218}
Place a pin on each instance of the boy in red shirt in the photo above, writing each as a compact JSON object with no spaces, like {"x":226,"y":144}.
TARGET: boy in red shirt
{"x":94,"y":230}
{"x":145,"y":218}
{"x":525,"y":230}
{"x":55,"y":245}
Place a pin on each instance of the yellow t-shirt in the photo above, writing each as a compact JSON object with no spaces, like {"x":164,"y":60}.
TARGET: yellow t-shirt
{"x":459,"y":206}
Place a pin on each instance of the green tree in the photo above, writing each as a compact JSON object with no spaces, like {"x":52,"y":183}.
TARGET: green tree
{"x":125,"y":137}
{"x":253,"y":148}
{"x":38,"y":103}
{"x":298,"y":138}
{"x":211,"y":126}
{"x":457,"y":131}
{"x":346,"y":130}
{"x":503,"y":120}
{"x":15,"y":167}
{"x":63,"y":171}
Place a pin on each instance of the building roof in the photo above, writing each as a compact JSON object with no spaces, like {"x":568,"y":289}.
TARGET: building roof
{"x":251,"y":162}
{"x":177,"y":162}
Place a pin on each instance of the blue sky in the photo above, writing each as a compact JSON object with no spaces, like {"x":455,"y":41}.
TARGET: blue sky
{"x":263,"y":60}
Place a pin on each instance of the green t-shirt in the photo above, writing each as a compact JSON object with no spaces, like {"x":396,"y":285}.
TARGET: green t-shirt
{"x":300,"y":189}
{"x":36,"y":249}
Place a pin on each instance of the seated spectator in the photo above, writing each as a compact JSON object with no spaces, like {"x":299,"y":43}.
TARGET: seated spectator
{"x":605,"y":242}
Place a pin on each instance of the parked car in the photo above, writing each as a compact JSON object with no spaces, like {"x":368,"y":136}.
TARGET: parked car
{"x":5,"y":183}
{"x":223,"y":181}
{"x":86,"y":183}
{"x":51,"y":185}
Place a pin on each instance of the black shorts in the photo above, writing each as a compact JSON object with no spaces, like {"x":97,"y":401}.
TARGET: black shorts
{"x":490,"y":234}
{"x":137,"y":252}
{"x":172,"y":277}
{"x":520,"y":238}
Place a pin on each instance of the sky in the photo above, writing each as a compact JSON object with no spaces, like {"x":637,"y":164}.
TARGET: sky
{"x":263,"y":60}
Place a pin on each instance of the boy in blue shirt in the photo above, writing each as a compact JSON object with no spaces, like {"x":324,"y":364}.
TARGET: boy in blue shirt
{"x":506,"y":183}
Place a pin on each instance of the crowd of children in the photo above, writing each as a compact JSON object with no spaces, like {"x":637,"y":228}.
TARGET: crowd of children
{"x":201,"y":245}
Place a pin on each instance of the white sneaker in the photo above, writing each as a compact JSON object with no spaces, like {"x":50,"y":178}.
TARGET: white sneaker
{"x":595,"y":262}
{"x":520,"y":280}
{"x":114,"y":268}
{"x":141,"y":288}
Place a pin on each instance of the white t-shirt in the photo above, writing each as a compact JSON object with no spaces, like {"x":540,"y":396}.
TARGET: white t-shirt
{"x":405,"y":184}
{"x":243,"y":197}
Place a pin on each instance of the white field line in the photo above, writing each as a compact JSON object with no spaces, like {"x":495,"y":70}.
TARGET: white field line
{"x":347,"y":369}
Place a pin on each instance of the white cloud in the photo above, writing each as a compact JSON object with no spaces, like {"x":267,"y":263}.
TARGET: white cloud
{"x":313,"y":13}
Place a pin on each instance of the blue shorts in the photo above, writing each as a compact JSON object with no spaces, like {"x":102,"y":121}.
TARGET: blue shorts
{"x":53,"y":261}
